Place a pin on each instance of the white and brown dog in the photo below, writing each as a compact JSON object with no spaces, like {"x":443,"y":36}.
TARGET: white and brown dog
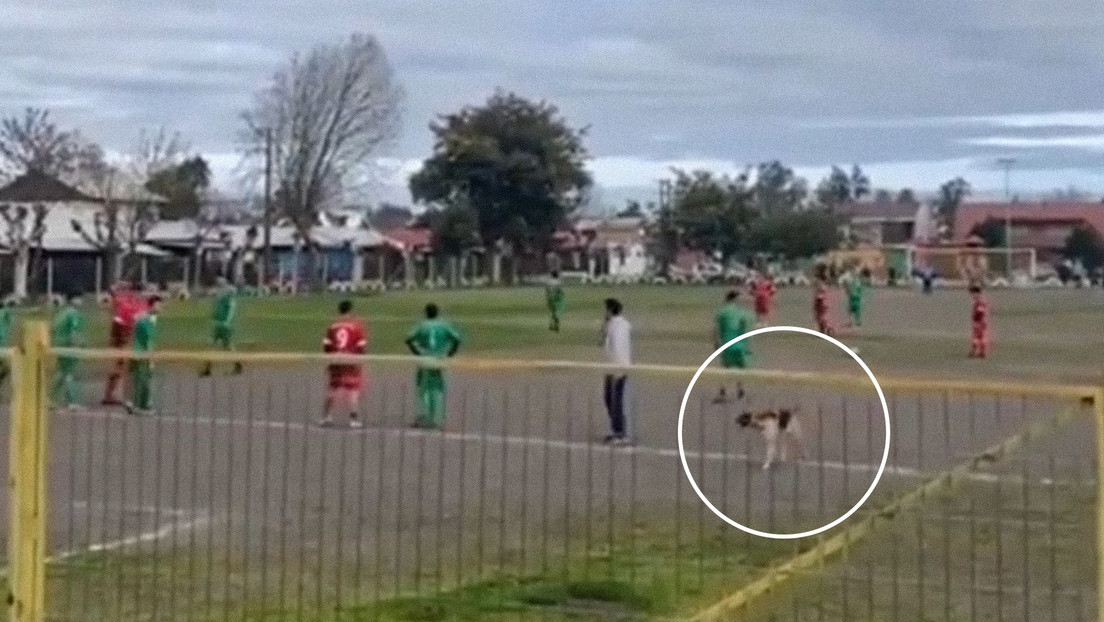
{"x":780,"y":429}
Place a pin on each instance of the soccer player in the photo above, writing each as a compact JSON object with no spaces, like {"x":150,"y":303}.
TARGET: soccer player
{"x":126,"y":306}
{"x":554,"y":298}
{"x":617,"y":343}
{"x":979,"y":315}
{"x":763,"y":291}
{"x":67,"y":331}
{"x":820,"y":308}
{"x":141,"y":370}
{"x":5,"y":335}
{"x":855,"y":287}
{"x":733,"y":320}
{"x":435,"y":338}
{"x":223,"y":314}
{"x":345,"y":335}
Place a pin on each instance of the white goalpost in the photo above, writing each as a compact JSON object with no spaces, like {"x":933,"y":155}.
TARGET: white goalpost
{"x":961,"y":264}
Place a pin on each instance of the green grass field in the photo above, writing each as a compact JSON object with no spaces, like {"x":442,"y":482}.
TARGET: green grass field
{"x":1039,"y":335}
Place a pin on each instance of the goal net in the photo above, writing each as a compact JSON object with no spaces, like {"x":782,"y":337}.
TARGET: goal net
{"x":963,"y":264}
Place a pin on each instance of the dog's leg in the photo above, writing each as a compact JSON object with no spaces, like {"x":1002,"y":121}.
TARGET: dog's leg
{"x":770,"y":435}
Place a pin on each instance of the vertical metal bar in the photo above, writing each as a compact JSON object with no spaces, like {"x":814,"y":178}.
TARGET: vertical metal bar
{"x":377,"y":558}
{"x":462,"y":510}
{"x":701,"y":476}
{"x":339,"y":571}
{"x":944,"y":503}
{"x":194,"y":497}
{"x":503,"y":488}
{"x":400,"y":488}
{"x":1027,"y":511}
{"x":921,"y":550}
{"x":547,"y":436}
{"x":420,"y":489}
{"x":568,"y":417}
{"x":441,"y":456}
{"x":358,"y":562}
{"x":588,"y":509}
{"x":998,"y":518}
{"x":870,"y":559}
{"x":526,"y":403}
{"x":285,"y":481}
{"x":176,"y":504}
{"x":1098,"y":408}
{"x":121,"y":574}
{"x":232,"y":403}
{"x":482,"y":483}
{"x":212,"y":484}
{"x":973,"y":512}
{"x":70,"y":528}
{"x":304,"y":462}
{"x":1052,"y":535}
{"x":266,"y":460}
{"x":895,"y":553}
{"x":633,"y":460}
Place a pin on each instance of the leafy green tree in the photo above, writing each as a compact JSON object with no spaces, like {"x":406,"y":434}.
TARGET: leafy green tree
{"x":777,"y":189}
{"x":1085,"y":244}
{"x":796,"y":235}
{"x":713,"y":214}
{"x":183,"y":185}
{"x":991,"y":231}
{"x":517,"y":163}
{"x":455,"y":229}
{"x":835,"y":189}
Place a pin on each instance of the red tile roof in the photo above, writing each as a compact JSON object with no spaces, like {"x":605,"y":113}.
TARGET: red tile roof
{"x":410,"y":238}
{"x":1024,"y":215}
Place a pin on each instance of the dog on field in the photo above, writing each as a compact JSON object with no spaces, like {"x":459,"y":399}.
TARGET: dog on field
{"x":781,"y":431}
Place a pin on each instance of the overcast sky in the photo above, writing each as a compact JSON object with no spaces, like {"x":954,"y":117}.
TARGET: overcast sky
{"x":917,"y":92}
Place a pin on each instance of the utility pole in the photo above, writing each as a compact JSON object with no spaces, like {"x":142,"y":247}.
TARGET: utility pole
{"x":266,"y":259}
{"x":1007,"y":164}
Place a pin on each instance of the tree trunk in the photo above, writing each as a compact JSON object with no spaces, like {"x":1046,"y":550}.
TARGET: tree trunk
{"x":496,"y":267}
{"x":22,"y":270}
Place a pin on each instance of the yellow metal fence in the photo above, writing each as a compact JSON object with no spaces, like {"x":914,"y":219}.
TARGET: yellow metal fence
{"x":229,"y":503}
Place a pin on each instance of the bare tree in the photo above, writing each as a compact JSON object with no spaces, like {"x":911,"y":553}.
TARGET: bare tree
{"x":126,"y":214}
{"x":34,"y":141}
{"x":24,"y":229}
{"x":329,"y":112}
{"x":155,"y":151}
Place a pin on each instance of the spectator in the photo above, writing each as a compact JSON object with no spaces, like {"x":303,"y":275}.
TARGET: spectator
{"x":617,"y":342}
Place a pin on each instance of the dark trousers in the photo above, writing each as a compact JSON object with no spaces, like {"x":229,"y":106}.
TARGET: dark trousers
{"x":615,"y":404}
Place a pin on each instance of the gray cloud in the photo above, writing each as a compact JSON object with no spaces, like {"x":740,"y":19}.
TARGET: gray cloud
{"x":866,"y":81}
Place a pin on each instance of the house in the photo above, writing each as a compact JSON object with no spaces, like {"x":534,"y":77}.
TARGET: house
{"x":615,"y":248}
{"x":880,"y":223}
{"x":59,"y":246}
{"x":1043,"y":226}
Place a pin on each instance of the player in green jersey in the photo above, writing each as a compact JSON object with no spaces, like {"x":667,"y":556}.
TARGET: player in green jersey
{"x":5,"y":335}
{"x":855,"y":286}
{"x":141,"y":370}
{"x":432,"y":338}
{"x":554,"y":298}
{"x":733,"y":320}
{"x":223,"y":314}
{"x":67,"y":331}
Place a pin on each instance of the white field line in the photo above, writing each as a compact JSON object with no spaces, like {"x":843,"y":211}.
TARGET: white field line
{"x":494,"y":439}
{"x":96,"y":506}
{"x":153,"y":535}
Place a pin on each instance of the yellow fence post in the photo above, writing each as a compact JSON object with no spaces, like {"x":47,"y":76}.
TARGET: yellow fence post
{"x":27,"y":477}
{"x":1098,"y":411}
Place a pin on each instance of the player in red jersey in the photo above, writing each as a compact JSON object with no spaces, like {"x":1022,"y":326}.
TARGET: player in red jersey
{"x":979,"y":316}
{"x":346,"y":335}
{"x":762,"y":292}
{"x":820,"y":308}
{"x":126,"y":306}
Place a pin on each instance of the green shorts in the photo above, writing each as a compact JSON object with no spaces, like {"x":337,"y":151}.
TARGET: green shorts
{"x":735,"y":358}
{"x":222,"y":334}
{"x":429,"y":379}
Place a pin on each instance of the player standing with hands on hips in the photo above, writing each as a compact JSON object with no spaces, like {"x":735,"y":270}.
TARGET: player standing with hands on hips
{"x":433,"y":337}
{"x":617,"y":342}
{"x":141,"y":369}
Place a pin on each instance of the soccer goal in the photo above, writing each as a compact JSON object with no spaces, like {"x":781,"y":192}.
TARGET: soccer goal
{"x":965,"y":263}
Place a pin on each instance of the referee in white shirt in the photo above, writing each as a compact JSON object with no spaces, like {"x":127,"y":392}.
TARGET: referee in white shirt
{"x":617,"y":341}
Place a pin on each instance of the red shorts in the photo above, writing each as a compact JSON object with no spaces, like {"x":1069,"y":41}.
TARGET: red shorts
{"x":121,"y":335}
{"x":346,"y":377}
{"x":980,"y":332}
{"x":762,"y":307}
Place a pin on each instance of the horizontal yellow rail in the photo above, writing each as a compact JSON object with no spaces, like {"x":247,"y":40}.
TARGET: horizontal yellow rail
{"x":853,"y":382}
{"x":772,"y":579}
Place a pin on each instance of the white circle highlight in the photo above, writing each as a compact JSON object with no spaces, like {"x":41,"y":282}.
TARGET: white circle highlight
{"x":767,"y":534}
